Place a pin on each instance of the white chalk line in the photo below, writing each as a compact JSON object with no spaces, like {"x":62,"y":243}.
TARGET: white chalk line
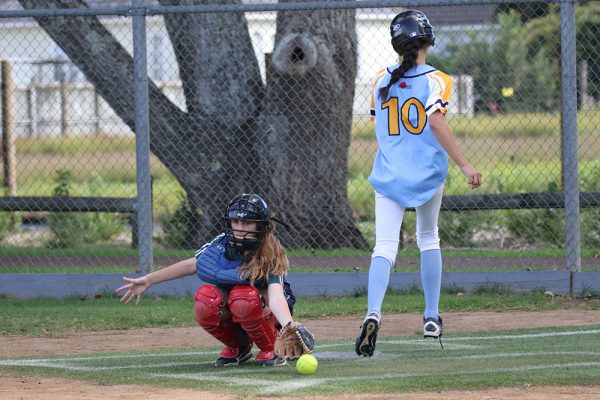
{"x":407,"y":341}
{"x":124,"y":356}
{"x":267,"y":386}
{"x":523,"y":336}
{"x":270,"y":386}
{"x":283,"y":387}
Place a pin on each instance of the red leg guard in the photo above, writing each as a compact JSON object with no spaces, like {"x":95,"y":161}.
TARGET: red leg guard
{"x":248,"y":309}
{"x":210,"y":310}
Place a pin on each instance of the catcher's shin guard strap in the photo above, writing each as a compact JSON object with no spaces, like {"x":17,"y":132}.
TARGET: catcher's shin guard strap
{"x":209,"y":305}
{"x":246,"y":305}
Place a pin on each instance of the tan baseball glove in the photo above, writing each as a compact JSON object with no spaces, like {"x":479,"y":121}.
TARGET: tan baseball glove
{"x":293,"y":341}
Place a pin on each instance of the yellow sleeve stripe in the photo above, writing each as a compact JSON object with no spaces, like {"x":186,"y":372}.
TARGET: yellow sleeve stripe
{"x":380,"y":74}
{"x":445,"y":84}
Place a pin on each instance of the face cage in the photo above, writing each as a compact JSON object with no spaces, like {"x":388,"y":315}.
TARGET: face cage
{"x":245,"y":243}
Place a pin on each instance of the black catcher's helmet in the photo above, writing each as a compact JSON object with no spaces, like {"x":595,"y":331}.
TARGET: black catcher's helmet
{"x":410,"y":25}
{"x":247,"y":207}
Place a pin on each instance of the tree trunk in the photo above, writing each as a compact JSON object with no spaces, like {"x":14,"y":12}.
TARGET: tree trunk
{"x":219,"y":146}
{"x":308,"y":116}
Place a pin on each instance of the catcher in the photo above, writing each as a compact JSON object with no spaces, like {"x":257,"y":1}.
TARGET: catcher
{"x":246,"y":300}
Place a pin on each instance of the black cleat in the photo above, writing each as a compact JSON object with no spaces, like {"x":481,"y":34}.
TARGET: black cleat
{"x":367,"y":336}
{"x":433,"y":328}
{"x":244,"y":355}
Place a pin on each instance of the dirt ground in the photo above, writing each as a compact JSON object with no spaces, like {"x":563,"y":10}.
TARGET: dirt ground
{"x":28,"y":387}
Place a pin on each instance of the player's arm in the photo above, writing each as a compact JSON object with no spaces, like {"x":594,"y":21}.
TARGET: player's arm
{"x":441,"y":130}
{"x":278,"y":304}
{"x":294,"y":338}
{"x":136,"y":287}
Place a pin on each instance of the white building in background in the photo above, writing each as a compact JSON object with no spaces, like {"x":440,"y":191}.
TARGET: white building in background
{"x":39,"y":65}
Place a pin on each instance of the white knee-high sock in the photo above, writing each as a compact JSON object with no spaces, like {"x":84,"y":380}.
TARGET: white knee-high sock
{"x":431,"y":278}
{"x":379,"y":277}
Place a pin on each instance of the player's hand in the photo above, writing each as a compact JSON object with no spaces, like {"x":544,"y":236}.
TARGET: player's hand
{"x":473,"y":176}
{"x":135,"y":288}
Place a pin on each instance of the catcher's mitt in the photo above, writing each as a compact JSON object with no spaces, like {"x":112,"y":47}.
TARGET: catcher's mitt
{"x":293,"y":341}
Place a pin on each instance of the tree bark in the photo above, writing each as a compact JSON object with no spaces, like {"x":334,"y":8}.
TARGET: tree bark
{"x":308,"y":116}
{"x":218,"y":146}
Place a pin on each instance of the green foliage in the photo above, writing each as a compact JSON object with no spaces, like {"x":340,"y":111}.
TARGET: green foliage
{"x":543,"y":35}
{"x":70,"y":229}
{"x":456,"y":229}
{"x":66,"y":228}
{"x":590,"y":231}
{"x":101,"y":227}
{"x":505,"y":62}
{"x":176,"y":224}
{"x":538,"y":226}
{"x":71,"y":145}
{"x":8,"y":223}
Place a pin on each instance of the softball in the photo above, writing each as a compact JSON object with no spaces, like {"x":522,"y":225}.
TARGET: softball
{"x":307,"y":364}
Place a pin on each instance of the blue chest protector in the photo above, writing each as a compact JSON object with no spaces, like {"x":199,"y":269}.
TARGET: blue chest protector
{"x":212,"y":266}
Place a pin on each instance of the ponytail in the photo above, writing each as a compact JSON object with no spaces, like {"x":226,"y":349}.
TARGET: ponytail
{"x":409,"y":60}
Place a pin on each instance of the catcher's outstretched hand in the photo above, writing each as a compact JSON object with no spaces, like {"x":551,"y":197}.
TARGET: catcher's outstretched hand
{"x":293,"y":341}
{"x":135,"y":288}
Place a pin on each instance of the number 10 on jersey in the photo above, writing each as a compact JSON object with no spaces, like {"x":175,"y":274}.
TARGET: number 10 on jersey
{"x":393,"y":118}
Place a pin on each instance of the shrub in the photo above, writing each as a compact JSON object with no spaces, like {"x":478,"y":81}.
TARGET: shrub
{"x":70,"y":229}
{"x":8,"y":224}
{"x":538,"y":226}
{"x":176,"y":224}
{"x":456,"y":229}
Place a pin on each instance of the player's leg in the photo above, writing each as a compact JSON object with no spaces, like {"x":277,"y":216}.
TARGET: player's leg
{"x":388,"y":219}
{"x":248,"y":307}
{"x":431,"y":263}
{"x":213,"y":315}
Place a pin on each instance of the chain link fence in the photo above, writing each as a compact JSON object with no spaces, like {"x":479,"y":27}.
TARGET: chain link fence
{"x":274,"y":98}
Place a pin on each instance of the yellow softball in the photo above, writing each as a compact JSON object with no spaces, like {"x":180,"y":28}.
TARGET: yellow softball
{"x":307,"y":364}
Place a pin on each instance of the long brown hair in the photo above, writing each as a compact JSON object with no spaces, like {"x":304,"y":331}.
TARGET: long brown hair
{"x":268,"y":260}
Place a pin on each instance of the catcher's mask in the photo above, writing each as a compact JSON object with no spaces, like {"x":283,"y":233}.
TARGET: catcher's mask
{"x":410,"y":25}
{"x":246,"y":207}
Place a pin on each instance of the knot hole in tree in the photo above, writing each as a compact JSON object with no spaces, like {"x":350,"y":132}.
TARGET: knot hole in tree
{"x":295,"y":54}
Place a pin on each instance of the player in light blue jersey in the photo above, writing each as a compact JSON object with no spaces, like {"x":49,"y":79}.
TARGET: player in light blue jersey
{"x":408,"y":105}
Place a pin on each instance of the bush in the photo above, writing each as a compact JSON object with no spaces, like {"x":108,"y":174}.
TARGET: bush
{"x":456,"y":229}
{"x":8,"y":224}
{"x":538,"y":226}
{"x":70,"y":229}
{"x":176,"y":224}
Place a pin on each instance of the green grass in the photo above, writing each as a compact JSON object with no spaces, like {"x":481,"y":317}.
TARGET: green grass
{"x":561,"y":356}
{"x":115,"y":250}
{"x":90,"y":250}
{"x":58,"y":317}
{"x":508,"y":260}
{"x":510,"y":125}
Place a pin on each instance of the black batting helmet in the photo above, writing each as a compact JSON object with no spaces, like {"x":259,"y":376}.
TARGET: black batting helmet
{"x":246,"y":207}
{"x":410,"y":25}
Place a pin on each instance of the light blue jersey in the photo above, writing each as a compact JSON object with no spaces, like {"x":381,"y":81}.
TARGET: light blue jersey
{"x":410,"y":164}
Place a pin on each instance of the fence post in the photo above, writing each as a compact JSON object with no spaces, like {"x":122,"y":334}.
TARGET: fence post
{"x":7,"y":150}
{"x":63,"y":101}
{"x":32,"y":105}
{"x":142,"y":135}
{"x":569,"y":129}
